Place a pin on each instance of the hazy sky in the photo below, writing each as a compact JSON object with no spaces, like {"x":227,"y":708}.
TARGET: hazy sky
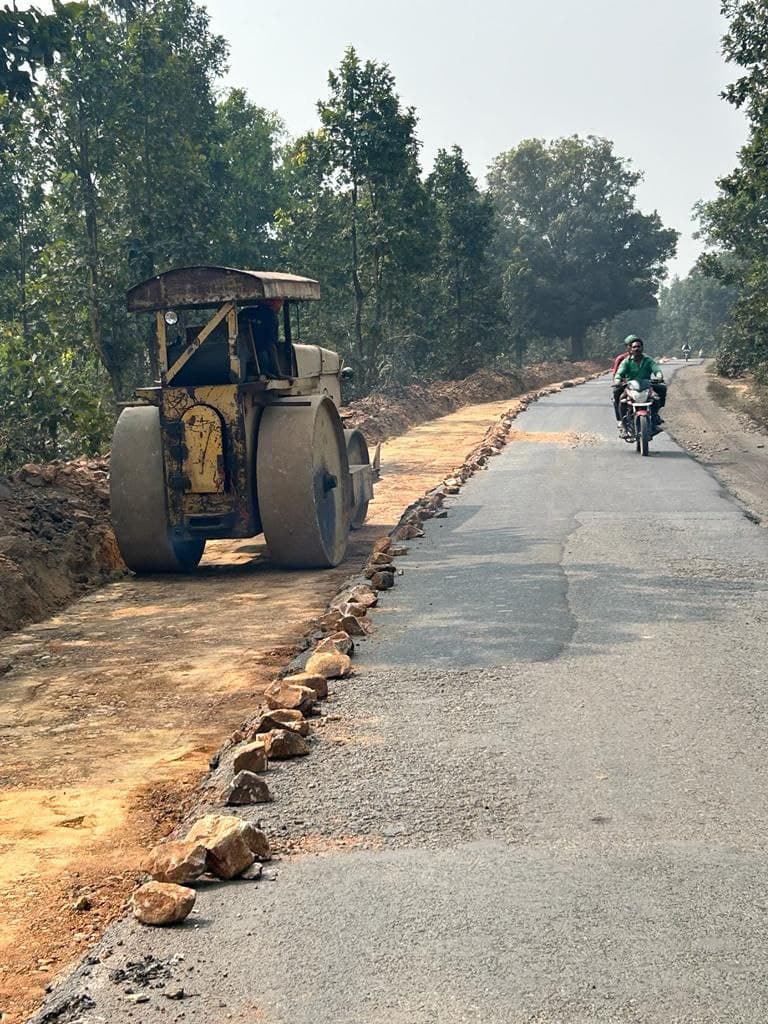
{"x":486,"y":74}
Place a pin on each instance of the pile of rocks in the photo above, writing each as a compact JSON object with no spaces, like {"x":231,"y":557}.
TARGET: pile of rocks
{"x":88,"y":473}
{"x":224,"y":845}
{"x":220,"y":845}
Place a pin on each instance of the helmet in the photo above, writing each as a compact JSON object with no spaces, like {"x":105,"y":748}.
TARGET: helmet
{"x":630,"y":338}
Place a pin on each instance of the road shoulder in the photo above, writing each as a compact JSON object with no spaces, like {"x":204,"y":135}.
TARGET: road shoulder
{"x":728,"y":443}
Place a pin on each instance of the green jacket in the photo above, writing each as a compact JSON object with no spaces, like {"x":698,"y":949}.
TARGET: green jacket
{"x":630,"y":370}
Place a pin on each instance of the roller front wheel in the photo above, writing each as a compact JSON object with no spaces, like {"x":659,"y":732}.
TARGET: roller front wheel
{"x":303,"y":483}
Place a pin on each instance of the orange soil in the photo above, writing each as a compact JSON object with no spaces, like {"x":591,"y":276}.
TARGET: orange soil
{"x":112,"y":709}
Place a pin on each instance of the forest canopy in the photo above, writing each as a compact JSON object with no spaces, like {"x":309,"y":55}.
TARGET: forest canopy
{"x":126,"y":158}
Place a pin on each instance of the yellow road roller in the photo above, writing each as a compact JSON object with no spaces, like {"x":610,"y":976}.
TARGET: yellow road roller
{"x":241,"y":435}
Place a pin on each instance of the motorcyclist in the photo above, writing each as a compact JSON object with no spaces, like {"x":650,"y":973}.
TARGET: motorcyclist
{"x":638,"y":366}
{"x":685,"y":348}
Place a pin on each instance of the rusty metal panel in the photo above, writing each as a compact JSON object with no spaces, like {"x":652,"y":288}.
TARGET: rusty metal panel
{"x":203,"y":438}
{"x":226,"y":401}
{"x":212,"y":286}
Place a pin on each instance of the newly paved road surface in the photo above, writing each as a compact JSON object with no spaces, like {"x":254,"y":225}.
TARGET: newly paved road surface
{"x":544,"y":798}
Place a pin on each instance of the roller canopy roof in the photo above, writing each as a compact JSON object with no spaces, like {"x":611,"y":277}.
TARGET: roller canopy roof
{"x":212,"y":286}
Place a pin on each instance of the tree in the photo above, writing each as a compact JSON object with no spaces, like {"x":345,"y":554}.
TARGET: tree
{"x":696,"y":309}
{"x":465,"y":329}
{"x":132,"y":142}
{"x":735,"y":223}
{"x":368,"y":150}
{"x":249,"y":185}
{"x":575,"y":248}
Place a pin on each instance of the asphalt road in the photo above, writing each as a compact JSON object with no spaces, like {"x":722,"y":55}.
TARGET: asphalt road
{"x":542,"y":797}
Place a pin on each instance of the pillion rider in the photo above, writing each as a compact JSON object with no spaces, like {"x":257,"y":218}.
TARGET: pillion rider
{"x":618,"y":388}
{"x":640,"y":367}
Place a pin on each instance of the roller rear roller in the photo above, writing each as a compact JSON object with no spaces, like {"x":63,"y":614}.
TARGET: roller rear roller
{"x":137,"y":496}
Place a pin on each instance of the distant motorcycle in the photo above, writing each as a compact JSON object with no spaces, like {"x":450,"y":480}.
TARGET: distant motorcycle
{"x":636,"y":407}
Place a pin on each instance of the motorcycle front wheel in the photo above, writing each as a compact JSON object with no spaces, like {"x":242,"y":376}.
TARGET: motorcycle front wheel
{"x":644,"y":435}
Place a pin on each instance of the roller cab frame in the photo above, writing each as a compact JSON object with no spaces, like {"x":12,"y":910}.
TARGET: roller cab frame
{"x":242,"y":433}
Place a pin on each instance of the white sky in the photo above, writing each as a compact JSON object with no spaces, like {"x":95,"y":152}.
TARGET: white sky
{"x":484,"y":75}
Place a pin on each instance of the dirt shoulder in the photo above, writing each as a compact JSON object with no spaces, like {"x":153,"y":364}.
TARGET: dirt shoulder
{"x":111,"y":710}
{"x":56,"y":539}
{"x":727,"y":441}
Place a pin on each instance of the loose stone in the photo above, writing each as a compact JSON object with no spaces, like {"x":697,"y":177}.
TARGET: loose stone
{"x":250,"y":758}
{"x":178,"y":861}
{"x":162,"y":903}
{"x":361,"y":593}
{"x":331,"y":664}
{"x":381,"y":557}
{"x":371,"y":570}
{"x":383,"y":580}
{"x":231,"y":843}
{"x":353,"y":626}
{"x":247,"y":788}
{"x":338,"y":641}
{"x":280,"y":694}
{"x":280,"y":718}
{"x":281,"y":744}
{"x":313,"y":681}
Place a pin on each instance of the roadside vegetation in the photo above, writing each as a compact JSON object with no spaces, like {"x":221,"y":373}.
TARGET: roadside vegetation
{"x":734,"y":223}
{"x":126,"y":158}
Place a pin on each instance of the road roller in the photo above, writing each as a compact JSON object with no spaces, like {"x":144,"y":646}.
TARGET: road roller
{"x":241,"y":434}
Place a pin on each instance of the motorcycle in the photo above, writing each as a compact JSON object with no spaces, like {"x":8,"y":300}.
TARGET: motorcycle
{"x":637,"y":413}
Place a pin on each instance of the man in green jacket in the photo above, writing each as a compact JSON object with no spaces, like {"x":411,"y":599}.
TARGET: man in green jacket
{"x":638,"y":366}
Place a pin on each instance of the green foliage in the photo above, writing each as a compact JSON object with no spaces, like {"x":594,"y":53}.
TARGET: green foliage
{"x":574,"y":247}
{"x":29,"y":40}
{"x":249,"y":186}
{"x":605,"y":340}
{"x":695,"y":309}
{"x":364,"y":158}
{"x":736,"y":222}
{"x":465,"y":329}
{"x":125,"y":161}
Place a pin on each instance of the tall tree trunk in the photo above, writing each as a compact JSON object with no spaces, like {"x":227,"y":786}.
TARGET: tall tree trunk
{"x":519,"y":350}
{"x":88,"y":193}
{"x":23,"y":259}
{"x":358,"y":293}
